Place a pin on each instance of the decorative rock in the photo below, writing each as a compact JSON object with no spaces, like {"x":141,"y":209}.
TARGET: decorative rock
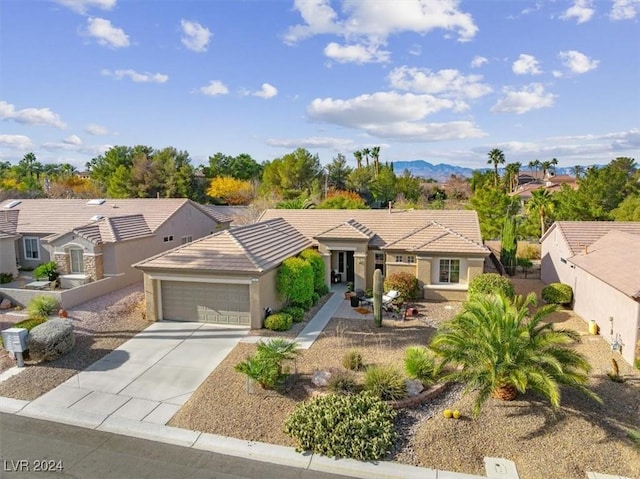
{"x":321,"y":378}
{"x":51,"y":340}
{"x":5,"y":304}
{"x":414,"y":387}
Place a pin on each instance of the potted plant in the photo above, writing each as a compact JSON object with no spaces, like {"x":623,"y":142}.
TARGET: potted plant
{"x":347,"y":293}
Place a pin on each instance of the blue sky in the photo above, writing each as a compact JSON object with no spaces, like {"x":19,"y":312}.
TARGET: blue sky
{"x":439,"y":80}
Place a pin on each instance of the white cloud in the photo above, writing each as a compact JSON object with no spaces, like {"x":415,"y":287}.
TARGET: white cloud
{"x":73,"y":140}
{"x":214,"y":88}
{"x":136,"y":76}
{"x":97,"y":130}
{"x":30,"y":116}
{"x":415,"y":50}
{"x":624,"y":9}
{"x":194,"y":36}
{"x":526,"y":65}
{"x":106,"y":34}
{"x":266,"y":91}
{"x":426,"y":132}
{"x":449,"y":83}
{"x":530,"y":97}
{"x":312,"y":142}
{"x":16,"y":142}
{"x":81,"y":6}
{"x":576,"y":62}
{"x":581,"y":10}
{"x":478,"y":61}
{"x":356,"y":53}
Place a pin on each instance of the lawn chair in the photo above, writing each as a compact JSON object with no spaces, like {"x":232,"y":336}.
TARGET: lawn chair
{"x":387,"y":300}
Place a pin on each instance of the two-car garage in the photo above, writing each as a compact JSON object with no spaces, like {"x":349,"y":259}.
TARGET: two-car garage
{"x":206,"y":302}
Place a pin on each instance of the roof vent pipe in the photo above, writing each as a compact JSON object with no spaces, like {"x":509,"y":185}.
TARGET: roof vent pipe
{"x":389,"y":207}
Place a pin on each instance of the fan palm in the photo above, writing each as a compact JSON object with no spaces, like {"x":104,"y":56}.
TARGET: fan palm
{"x":499,"y":350}
{"x":496,"y":157}
{"x":542,"y":204}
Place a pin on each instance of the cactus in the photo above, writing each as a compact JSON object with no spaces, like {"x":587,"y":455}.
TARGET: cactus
{"x":377,"y":297}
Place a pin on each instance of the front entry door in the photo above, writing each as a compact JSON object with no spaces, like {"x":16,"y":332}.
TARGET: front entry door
{"x":346,"y":265}
{"x":350,"y":265}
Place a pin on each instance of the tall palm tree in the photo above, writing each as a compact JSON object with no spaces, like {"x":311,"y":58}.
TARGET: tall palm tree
{"x":546,"y":166}
{"x":501,"y":349}
{"x":554,"y":163}
{"x":375,"y":154}
{"x":512,"y":170}
{"x":358,"y":155}
{"x":534,"y":165}
{"x":541,"y":203}
{"x":366,"y":152}
{"x":578,"y":171}
{"x":496,"y":157}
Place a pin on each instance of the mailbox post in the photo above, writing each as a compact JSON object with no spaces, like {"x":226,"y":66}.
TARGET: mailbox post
{"x":15,"y":341}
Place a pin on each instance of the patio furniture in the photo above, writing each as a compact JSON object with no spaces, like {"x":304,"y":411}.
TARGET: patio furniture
{"x":387,"y":300}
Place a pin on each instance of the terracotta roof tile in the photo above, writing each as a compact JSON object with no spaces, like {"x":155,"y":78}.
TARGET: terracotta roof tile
{"x":435,"y":238}
{"x":350,"y":229}
{"x":579,"y":234}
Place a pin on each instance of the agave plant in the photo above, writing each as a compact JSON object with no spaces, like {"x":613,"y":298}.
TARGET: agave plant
{"x":500,"y":349}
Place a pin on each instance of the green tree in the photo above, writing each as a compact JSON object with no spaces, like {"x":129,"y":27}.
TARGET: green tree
{"x":499,"y":348}
{"x":338,"y":172}
{"x":293,"y":174}
{"x":366,"y":152}
{"x":577,"y":171}
{"x":358,"y":156}
{"x":628,"y":209}
{"x":360,"y":180}
{"x":375,"y":154}
{"x":541,"y":204}
{"x":383,"y":188}
{"x":534,"y":165}
{"x":343,"y":200}
{"x":409,"y":186}
{"x":496,"y":157}
{"x":241,"y":167}
{"x":491,"y":204}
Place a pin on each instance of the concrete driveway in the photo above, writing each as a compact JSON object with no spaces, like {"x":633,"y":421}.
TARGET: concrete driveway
{"x":147,"y":379}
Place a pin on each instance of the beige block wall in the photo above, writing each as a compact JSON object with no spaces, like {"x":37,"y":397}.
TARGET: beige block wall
{"x":63,"y":262}
{"x":8,"y":256}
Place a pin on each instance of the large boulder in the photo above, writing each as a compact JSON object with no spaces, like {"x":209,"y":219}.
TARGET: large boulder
{"x":51,"y":340}
{"x":5,"y":304}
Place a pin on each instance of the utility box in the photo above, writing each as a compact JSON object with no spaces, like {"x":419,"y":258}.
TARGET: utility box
{"x":15,"y":339}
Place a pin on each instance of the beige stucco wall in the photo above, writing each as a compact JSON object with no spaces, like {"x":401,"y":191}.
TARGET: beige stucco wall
{"x":268,"y":297}
{"x":45,"y":256}
{"x":8,"y":256}
{"x":360,"y":258}
{"x":553,"y":251}
{"x":595,"y":300}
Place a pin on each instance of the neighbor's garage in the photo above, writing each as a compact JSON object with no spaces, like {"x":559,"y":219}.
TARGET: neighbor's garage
{"x":206,"y":302}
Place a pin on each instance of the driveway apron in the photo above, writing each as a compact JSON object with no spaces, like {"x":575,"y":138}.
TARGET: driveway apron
{"x":146,"y":379}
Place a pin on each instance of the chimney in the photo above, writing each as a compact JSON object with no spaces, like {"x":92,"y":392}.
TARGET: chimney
{"x":389,"y":207}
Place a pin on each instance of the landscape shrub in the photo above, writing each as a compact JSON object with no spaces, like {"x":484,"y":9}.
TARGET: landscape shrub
{"x":525,"y":263}
{"x":352,"y":360}
{"x":386,"y":382}
{"x":6,"y":278}
{"x":50,"y":340}
{"x":358,"y":426}
{"x":315,"y":297}
{"x":279,"y":322}
{"x":491,"y":283}
{"x":306,"y":305}
{"x":324,"y":289}
{"x":294,"y":282}
{"x":297,"y":314}
{"x":317,"y":263}
{"x":265,"y":367}
{"x":405,"y":283}
{"x":42,"y":306}
{"x":557,"y":293}
{"x":420,"y":364}
{"x":342,"y":382}
{"x":46,"y":271}
{"x":528,"y":251}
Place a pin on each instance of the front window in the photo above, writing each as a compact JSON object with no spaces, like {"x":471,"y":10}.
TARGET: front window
{"x":449,"y":271}
{"x":31,"y":248}
{"x":379,"y":262}
{"x":411,"y":259}
{"x":399,"y":258}
{"x":77,"y":260}
{"x":186,"y":239}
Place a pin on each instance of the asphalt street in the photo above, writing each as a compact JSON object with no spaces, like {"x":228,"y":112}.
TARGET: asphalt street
{"x":31,"y":448}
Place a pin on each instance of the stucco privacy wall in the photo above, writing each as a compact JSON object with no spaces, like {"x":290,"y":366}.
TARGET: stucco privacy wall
{"x":7,"y":256}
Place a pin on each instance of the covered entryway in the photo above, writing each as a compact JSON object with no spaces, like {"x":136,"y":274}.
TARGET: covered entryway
{"x":219,"y":303}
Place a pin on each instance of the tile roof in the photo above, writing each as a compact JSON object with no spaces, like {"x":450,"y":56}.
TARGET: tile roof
{"x":614,"y":259}
{"x":252,"y":248}
{"x":388,"y":226}
{"x":435,"y":238}
{"x":8,"y":221}
{"x":216,"y":212}
{"x":59,"y":216}
{"x":350,"y":229}
{"x":579,"y":234}
{"x":118,"y":228}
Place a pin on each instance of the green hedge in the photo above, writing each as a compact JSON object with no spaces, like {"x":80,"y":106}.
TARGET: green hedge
{"x":557,"y":293}
{"x":297,"y":314}
{"x":491,"y":283}
{"x":294,"y":282}
{"x":317,"y":263}
{"x":279,"y":322}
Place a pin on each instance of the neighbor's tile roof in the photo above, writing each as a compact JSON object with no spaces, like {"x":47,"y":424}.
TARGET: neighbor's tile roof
{"x":435,"y":238}
{"x":252,"y":248}
{"x":387,"y":226}
{"x":59,"y":216}
{"x":579,"y":234}
{"x":350,"y":229}
{"x":614,"y":259}
{"x":8,"y":222}
{"x":119,"y":228}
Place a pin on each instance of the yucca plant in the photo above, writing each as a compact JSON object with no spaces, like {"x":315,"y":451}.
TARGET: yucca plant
{"x":500,"y":350}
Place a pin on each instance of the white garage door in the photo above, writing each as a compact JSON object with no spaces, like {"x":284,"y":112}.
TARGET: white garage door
{"x":206,"y":302}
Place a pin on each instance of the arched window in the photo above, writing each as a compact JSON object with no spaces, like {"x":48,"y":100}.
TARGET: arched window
{"x":77,"y":260}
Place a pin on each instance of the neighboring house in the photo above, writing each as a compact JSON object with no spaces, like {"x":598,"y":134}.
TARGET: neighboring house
{"x":552,"y":183}
{"x":442,"y":248}
{"x":95,"y":239}
{"x":226,"y":278}
{"x":229,"y":277}
{"x":601,"y":262}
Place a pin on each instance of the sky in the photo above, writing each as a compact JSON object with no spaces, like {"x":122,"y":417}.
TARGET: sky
{"x":443,"y":81}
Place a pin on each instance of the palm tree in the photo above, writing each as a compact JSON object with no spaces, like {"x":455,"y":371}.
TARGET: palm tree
{"x":534,"y":165}
{"x":375,"y":154}
{"x":366,"y":152}
{"x":554,"y":163}
{"x":577,"y":171}
{"x":358,"y":156}
{"x":512,"y":171}
{"x":546,"y":166}
{"x":496,"y":157}
{"x":541,"y":203}
{"x":501,"y":349}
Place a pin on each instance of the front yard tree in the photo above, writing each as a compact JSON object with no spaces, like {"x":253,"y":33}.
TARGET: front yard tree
{"x":499,"y":351}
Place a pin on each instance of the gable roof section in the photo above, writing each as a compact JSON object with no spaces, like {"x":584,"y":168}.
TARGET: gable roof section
{"x":614,"y":259}
{"x":59,"y":216}
{"x":9,"y":222}
{"x":350,"y":229}
{"x":579,"y":234}
{"x":387,"y":226}
{"x":252,"y":248}
{"x":214,"y":212}
{"x":118,"y":228}
{"x":435,"y":238}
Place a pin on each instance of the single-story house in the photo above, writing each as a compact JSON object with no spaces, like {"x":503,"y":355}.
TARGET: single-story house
{"x":601,"y":262}
{"x":442,"y":248}
{"x":227,"y":278}
{"x":99,"y":238}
